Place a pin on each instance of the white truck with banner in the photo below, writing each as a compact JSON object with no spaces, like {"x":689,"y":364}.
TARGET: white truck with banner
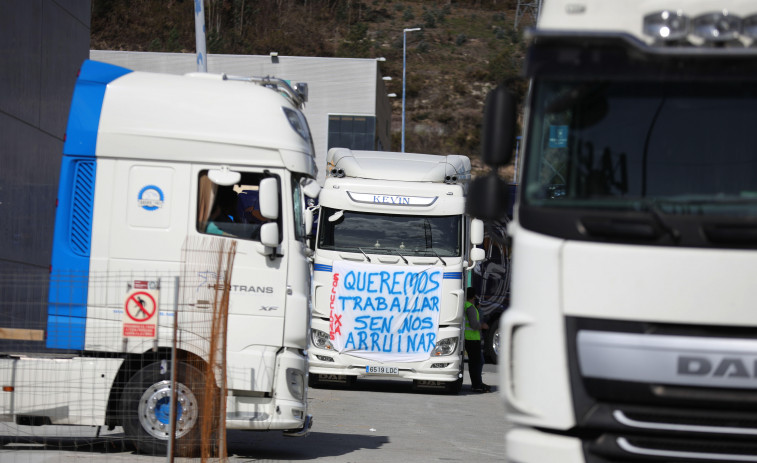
{"x":632,"y":329}
{"x":390,"y":265}
{"x":152,"y":162}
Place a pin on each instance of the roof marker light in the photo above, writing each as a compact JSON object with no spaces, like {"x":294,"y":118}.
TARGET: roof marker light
{"x":717,"y":26}
{"x":666,"y":25}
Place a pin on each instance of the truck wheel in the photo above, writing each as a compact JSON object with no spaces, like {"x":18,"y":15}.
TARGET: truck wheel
{"x":146,"y":409}
{"x":491,"y":348}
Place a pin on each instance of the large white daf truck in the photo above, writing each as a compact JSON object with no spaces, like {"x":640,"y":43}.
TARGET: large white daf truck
{"x":390,"y":265}
{"x":151,"y":162}
{"x":632,"y":329}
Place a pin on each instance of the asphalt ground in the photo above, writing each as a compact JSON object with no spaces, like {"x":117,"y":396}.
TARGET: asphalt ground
{"x":379,"y":420}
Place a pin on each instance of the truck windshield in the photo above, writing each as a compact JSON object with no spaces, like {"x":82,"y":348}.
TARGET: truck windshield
{"x":353,"y":231}
{"x":682,"y":147}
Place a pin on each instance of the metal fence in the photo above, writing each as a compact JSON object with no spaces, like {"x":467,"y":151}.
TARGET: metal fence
{"x":92,"y":364}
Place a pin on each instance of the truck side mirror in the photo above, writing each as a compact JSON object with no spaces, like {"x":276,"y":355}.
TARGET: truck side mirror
{"x":498,"y":133}
{"x":308,"y":218}
{"x":476,"y":238}
{"x":310,"y":187}
{"x":488,"y":197}
{"x":269,"y":234}
{"x":269,"y":238}
{"x":269,"y":198}
{"x":476,"y":232}
{"x":477,"y":255}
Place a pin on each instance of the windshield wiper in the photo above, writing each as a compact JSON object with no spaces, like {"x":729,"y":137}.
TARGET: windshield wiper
{"x":657,"y":215}
{"x":437,"y":256}
{"x":434,"y":253}
{"x":403,"y":257}
{"x":366,"y":255}
{"x":725,"y":232}
{"x":631,"y":228}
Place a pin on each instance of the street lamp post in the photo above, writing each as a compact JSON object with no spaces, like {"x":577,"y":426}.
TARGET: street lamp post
{"x":404,"y":46}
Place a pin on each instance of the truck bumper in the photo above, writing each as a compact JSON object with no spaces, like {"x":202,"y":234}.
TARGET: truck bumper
{"x":525,"y":445}
{"x":330,"y":363}
{"x":283,"y":408}
{"x":303,"y":431}
{"x":263,"y":414}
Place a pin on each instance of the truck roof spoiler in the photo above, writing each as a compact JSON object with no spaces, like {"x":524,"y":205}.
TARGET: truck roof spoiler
{"x":407,"y":167}
{"x":296,"y":93}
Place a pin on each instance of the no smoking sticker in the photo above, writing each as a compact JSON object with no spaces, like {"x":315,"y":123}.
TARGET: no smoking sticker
{"x":140,"y":312}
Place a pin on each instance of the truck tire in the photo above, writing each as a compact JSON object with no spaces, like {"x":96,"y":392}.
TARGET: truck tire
{"x":146,"y":409}
{"x":491,"y":344}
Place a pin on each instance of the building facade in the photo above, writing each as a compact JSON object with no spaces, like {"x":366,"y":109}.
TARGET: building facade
{"x":44,"y":44}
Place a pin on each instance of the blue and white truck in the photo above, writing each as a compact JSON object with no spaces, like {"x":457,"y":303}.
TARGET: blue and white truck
{"x":151,"y":162}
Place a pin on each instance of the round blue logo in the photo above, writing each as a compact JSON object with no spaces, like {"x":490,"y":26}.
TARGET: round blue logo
{"x":150,"y":198}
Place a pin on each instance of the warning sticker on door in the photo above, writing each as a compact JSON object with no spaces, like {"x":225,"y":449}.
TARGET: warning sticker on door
{"x":141,"y":312}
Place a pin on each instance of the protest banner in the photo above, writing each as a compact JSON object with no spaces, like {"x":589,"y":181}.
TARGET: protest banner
{"x":385,"y":312}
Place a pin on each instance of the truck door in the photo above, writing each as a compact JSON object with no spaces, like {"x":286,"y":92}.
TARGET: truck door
{"x":258,"y":284}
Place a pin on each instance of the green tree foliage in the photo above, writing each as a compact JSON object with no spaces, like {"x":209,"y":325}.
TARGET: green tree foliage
{"x":466,"y":47}
{"x":356,"y":44}
{"x":505,"y":67}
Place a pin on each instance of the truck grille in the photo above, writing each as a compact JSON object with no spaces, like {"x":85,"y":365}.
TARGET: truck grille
{"x":644,"y":410}
{"x":617,"y":448}
{"x":688,"y":421}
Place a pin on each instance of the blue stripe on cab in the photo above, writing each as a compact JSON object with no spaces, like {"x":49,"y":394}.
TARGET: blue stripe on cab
{"x":322,"y":268}
{"x":453,"y":275}
{"x":72,"y":238}
{"x":86,"y":106}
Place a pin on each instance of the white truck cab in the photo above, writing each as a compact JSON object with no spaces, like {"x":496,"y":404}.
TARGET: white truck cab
{"x":157,"y":169}
{"x":632,"y":334}
{"x":390,"y":265}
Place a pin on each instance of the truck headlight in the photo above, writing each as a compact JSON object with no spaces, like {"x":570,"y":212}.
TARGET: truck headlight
{"x":717,"y":27}
{"x":446,"y":346}
{"x":666,"y":25}
{"x":296,"y":383}
{"x":321,"y":339}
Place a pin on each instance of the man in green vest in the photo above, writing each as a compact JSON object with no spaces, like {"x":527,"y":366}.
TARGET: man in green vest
{"x":473,"y":342}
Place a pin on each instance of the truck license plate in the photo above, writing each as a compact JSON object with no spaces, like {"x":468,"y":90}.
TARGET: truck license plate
{"x":381,"y":370}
